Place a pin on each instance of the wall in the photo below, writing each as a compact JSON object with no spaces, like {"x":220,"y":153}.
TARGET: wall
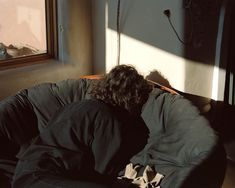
{"x":149,"y":42}
{"x":77,"y":44}
{"x":99,"y":35}
{"x":75,"y":32}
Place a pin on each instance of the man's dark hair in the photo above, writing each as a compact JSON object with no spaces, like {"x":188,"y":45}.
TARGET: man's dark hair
{"x":123,"y":86}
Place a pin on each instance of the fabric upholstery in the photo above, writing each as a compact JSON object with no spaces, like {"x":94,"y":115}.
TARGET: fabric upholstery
{"x":180,"y":140}
{"x":25,"y":114}
{"x":47,"y":98}
{"x":185,"y":150}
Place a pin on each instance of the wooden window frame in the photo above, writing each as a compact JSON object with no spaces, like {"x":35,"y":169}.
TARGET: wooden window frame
{"x":52,"y":42}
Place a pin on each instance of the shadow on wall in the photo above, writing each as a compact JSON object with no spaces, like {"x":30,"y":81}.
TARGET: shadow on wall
{"x":231,"y":56}
{"x":158,"y":77}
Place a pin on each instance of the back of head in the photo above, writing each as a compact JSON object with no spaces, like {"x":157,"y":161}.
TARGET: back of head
{"x":123,"y":86}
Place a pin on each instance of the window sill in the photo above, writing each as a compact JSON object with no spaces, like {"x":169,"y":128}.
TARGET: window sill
{"x":31,"y":66}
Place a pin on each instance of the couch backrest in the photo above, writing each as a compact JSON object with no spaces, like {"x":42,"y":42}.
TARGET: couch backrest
{"x":25,"y":114}
{"x":29,"y":111}
{"x":48,"y":98}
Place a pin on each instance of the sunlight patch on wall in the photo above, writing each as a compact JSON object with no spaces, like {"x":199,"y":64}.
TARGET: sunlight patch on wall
{"x":218,"y":83}
{"x":198,"y":78}
{"x":183,"y":74}
{"x":145,"y":58}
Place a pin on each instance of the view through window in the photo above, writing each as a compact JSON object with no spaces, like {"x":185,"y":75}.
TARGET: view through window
{"x":23,"y":29}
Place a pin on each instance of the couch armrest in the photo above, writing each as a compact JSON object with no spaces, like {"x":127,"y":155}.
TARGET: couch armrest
{"x":95,"y":76}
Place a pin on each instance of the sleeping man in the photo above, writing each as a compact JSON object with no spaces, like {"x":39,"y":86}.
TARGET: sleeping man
{"x":87,"y":143}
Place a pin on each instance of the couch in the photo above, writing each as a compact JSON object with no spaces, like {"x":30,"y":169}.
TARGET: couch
{"x":24,"y":115}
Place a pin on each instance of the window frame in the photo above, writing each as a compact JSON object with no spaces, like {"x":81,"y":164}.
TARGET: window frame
{"x":51,"y":37}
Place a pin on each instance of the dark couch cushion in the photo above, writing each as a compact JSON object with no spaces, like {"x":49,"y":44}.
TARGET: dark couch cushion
{"x":18,"y":124}
{"x":23,"y":115}
{"x":17,"y":119}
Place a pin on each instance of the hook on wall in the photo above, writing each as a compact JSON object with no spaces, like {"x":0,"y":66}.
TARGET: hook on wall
{"x":167,"y":13}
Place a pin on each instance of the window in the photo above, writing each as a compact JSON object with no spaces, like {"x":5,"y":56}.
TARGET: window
{"x":27,"y":32}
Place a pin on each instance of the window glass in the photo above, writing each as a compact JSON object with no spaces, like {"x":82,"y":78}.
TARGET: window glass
{"x":22,"y":28}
